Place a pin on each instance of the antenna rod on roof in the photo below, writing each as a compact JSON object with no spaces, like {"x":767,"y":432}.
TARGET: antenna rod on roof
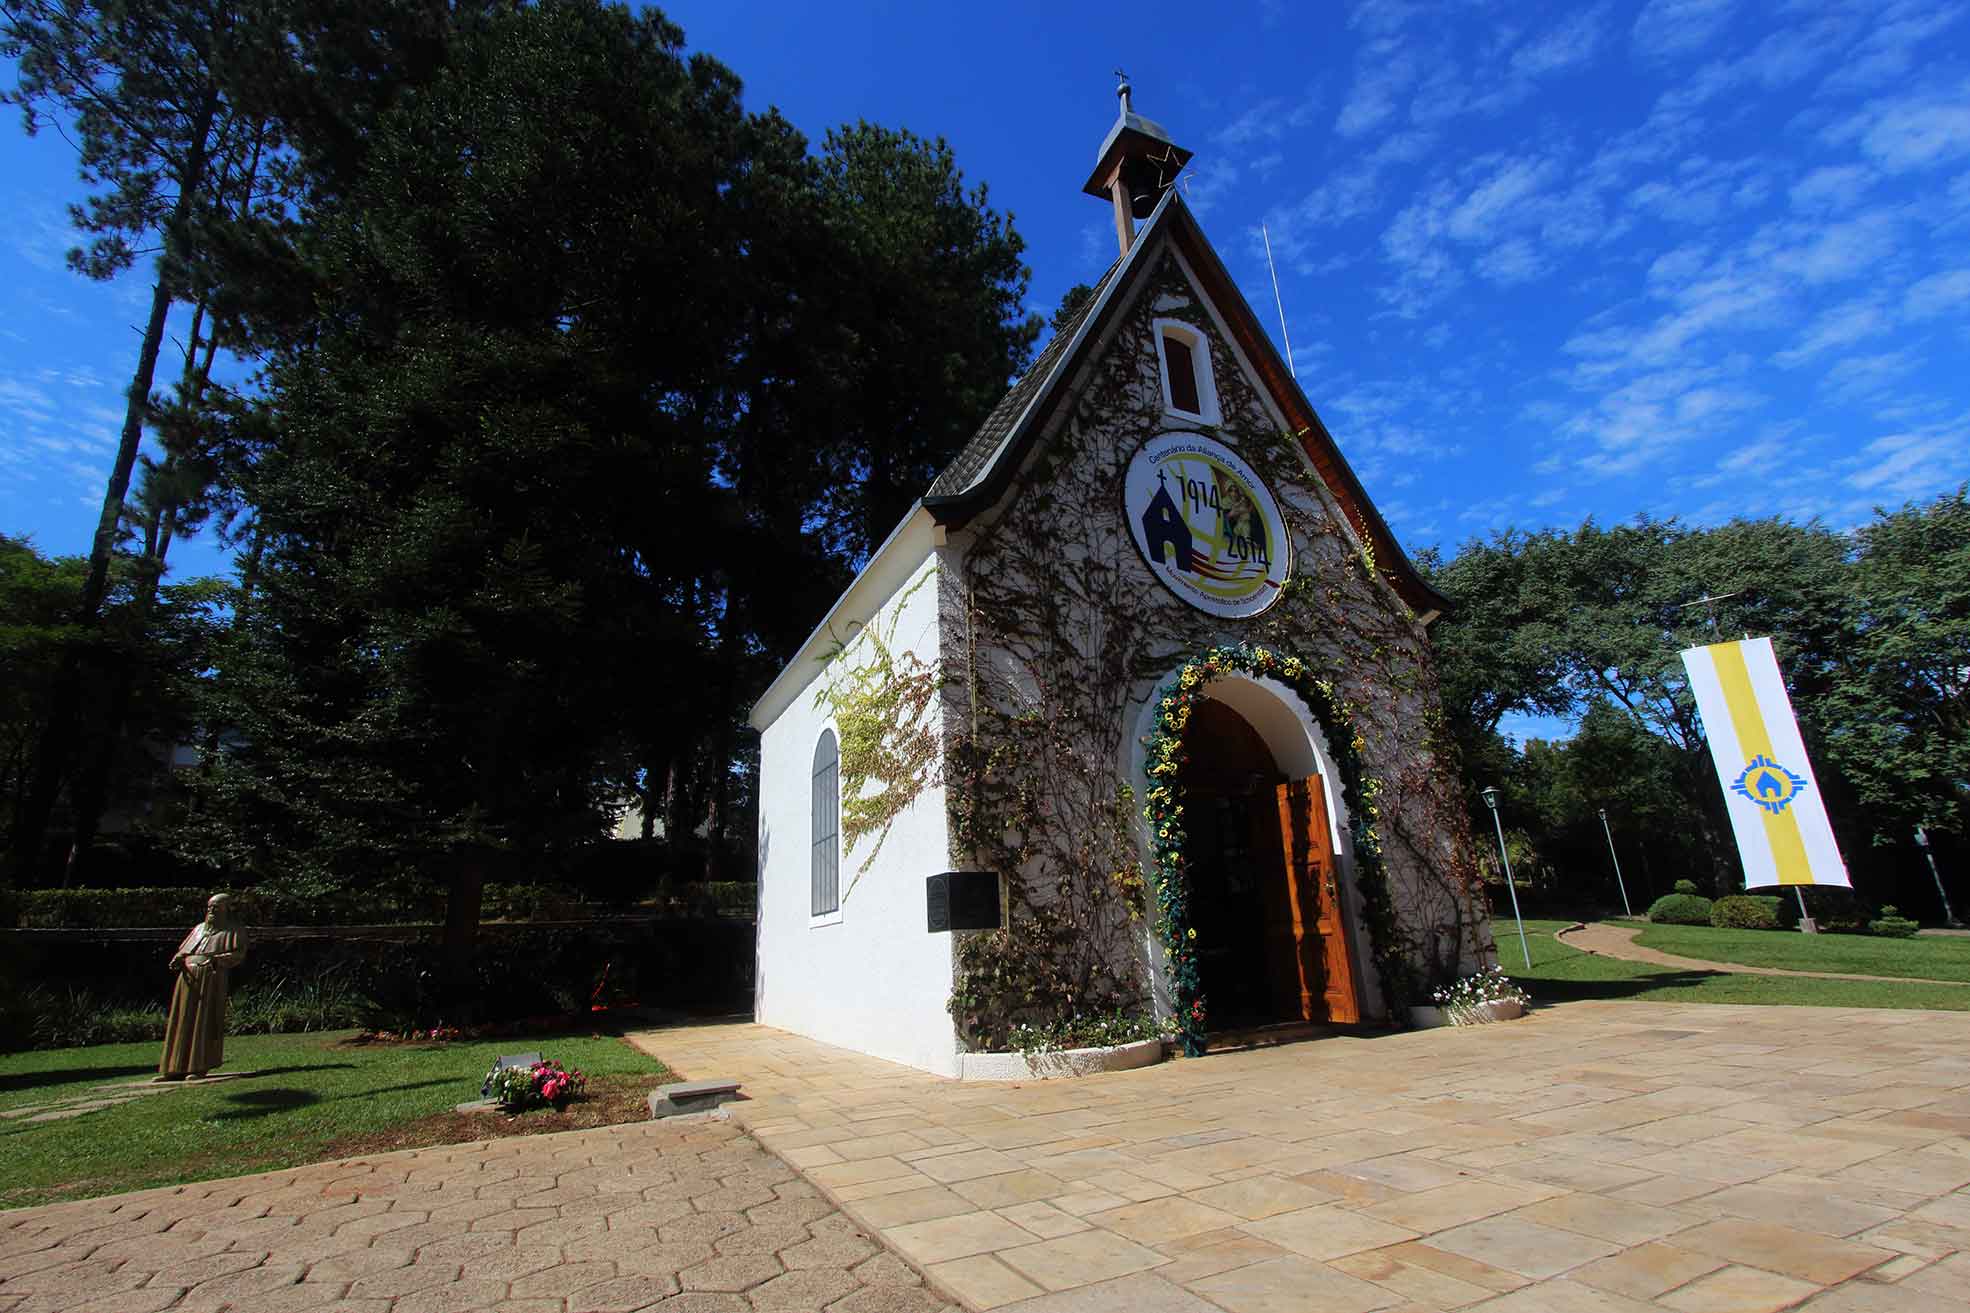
{"x":1290,"y":367}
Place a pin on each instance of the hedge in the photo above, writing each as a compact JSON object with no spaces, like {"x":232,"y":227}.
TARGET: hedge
{"x":99,"y":909}
{"x":103,"y":909}
{"x":1680,"y":909}
{"x":1745,"y":912}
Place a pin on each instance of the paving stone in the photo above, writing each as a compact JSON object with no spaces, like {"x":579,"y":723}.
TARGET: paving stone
{"x":467,"y":1296}
{"x":762,"y":1240}
{"x":833,"y":1251}
{"x":421,"y":1275}
{"x":1291,"y":1284}
{"x":621,"y":1294}
{"x":1523,"y":1246}
{"x":148,"y":1299}
{"x":1144,"y":1292}
{"x":789,"y":1212}
{"x":981,"y":1281}
{"x":1266,"y":1195}
{"x":242,"y":1289}
{"x":192,"y":1271}
{"x":940,"y":1239}
{"x":1646,"y":1270}
{"x":706,"y":1301}
{"x":880,"y":1299}
{"x":1326,"y":1231}
{"x":738,"y":1272}
{"x":1801,"y":1254}
{"x":1080,"y":1259}
{"x":886,"y":1269}
{"x":705,"y":1227}
{"x":799,"y":1292}
{"x":1169,"y":1218}
{"x":1736,"y":1289}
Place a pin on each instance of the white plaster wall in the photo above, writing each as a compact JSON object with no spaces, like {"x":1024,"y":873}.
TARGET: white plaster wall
{"x":871,"y":978}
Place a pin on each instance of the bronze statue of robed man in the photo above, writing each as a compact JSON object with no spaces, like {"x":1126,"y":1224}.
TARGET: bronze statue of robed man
{"x":195,"y":1034}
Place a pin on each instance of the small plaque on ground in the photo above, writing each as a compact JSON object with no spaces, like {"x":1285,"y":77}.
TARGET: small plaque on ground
{"x":528,"y":1060}
{"x":691,"y":1096}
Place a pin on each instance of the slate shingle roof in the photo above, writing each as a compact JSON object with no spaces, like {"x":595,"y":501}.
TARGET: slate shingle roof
{"x":970,"y":462}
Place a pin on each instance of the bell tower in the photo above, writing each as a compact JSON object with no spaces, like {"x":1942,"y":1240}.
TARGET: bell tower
{"x":1137,"y":164}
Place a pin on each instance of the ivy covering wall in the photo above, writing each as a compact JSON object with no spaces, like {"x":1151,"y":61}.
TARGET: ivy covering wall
{"x":1055,"y":634}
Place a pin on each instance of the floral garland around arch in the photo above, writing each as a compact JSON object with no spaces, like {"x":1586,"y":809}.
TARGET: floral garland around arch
{"x":1164,"y":812}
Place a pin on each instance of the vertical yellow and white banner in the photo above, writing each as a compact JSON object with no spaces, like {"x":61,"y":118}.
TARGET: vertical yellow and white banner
{"x":1776,"y":811}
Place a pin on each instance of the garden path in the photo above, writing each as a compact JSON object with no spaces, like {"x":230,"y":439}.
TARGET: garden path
{"x":1595,"y":1157}
{"x":110,"y":1095}
{"x":693,"y":1216}
{"x":1619,"y":941}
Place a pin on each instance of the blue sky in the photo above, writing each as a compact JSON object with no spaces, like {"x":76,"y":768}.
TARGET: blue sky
{"x":1688,"y":257}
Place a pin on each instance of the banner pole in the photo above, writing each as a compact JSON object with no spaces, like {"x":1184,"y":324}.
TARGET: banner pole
{"x":1626,"y":910}
{"x":1806,"y":925}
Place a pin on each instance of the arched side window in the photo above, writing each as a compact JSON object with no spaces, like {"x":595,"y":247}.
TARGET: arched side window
{"x":826,"y":868}
{"x":1183,"y":357}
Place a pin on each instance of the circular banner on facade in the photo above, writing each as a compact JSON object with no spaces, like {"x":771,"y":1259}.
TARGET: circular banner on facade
{"x":1206,"y":524}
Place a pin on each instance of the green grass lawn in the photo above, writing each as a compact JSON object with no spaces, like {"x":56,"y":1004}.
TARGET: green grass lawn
{"x":1936,"y":958}
{"x":312,"y":1092}
{"x":1560,"y":974}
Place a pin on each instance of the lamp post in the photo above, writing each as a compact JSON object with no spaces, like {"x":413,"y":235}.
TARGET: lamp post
{"x":1511,"y":886}
{"x":1619,"y":882}
{"x":1922,"y":842}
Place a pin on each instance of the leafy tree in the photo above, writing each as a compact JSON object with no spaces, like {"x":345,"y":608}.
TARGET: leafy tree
{"x":144,"y":87}
{"x":159,"y":640}
{"x":607,"y":383}
{"x":1898,"y":696}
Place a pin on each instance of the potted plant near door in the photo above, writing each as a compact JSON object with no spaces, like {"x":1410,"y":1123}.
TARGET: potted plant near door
{"x":1489,"y":995}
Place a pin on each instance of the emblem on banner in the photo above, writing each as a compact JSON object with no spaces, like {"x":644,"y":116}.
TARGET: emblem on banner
{"x":1768,"y":784}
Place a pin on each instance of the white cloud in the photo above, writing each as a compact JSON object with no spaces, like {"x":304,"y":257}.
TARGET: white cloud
{"x":1831,"y":188}
{"x":1894,"y":46}
{"x":1269,"y":120}
{"x":1500,"y":199}
{"x":1861,"y":379}
{"x":1913,"y":465}
{"x":1383,"y":75}
{"x":1568,"y":45}
{"x":1667,"y":29}
{"x":1937,"y":294}
{"x":1828,"y":252}
{"x":1841,"y":326}
{"x":1513,"y":261}
{"x":1912,"y":131}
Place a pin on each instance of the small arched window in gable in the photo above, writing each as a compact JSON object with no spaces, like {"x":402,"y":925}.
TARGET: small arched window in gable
{"x":1183,"y":357}
{"x":825,"y":869}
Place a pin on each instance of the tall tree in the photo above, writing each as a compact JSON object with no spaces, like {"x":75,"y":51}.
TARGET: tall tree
{"x":145,"y":89}
{"x":1898,"y":697}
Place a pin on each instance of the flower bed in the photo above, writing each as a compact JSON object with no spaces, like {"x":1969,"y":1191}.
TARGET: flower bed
{"x":1489,"y":995}
{"x":1052,"y":1064}
{"x":545,"y":1084}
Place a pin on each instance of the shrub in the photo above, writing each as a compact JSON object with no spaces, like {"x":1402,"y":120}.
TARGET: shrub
{"x":1686,"y":887}
{"x":1745,"y":912}
{"x":1891,"y":924}
{"x":1101,"y":1030}
{"x":1680,"y":909}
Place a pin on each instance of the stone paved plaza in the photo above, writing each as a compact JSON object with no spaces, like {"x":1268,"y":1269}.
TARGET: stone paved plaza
{"x":1592,"y":1158}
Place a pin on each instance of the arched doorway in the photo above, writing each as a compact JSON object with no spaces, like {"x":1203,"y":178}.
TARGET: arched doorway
{"x":1264,"y":896}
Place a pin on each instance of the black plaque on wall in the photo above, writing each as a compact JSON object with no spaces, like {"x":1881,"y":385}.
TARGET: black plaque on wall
{"x":962,"y":900}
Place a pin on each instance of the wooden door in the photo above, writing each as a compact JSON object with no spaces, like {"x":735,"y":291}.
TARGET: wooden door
{"x":1315,"y":974}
